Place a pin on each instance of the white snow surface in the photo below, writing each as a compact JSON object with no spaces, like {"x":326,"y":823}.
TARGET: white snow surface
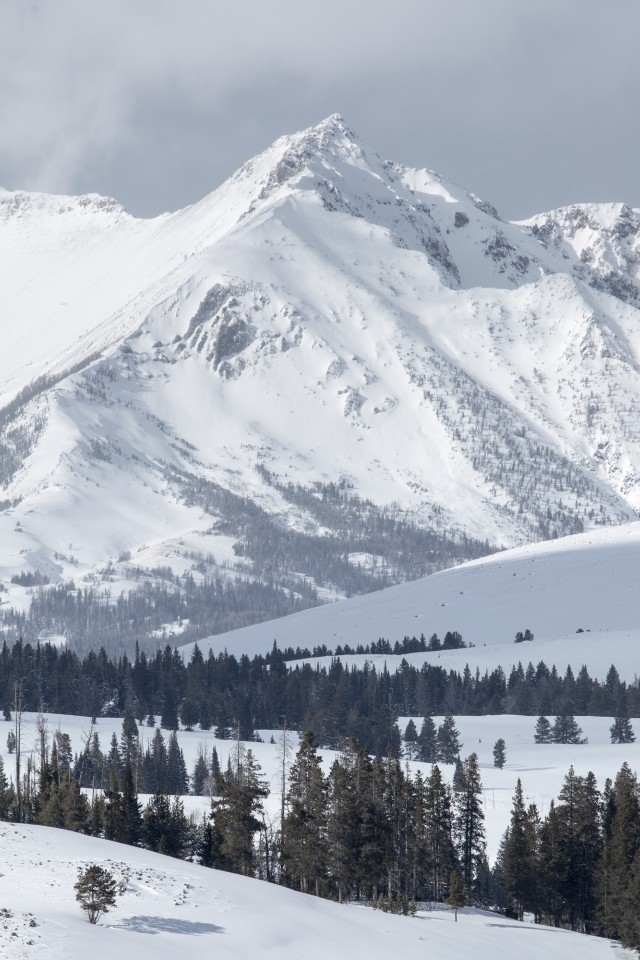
{"x":181,"y":907}
{"x":329,"y":316}
{"x":171,"y":909}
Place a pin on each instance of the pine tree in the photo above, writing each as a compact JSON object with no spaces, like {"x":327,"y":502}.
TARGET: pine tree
{"x":7,"y":794}
{"x":410,"y":740}
{"x":238,"y":813}
{"x":499,"y":754}
{"x":621,"y":830}
{"x":427,"y":742}
{"x":304,"y":840}
{"x":342,"y":826}
{"x":129,"y":826}
{"x":199,"y":775}
{"x":566,"y":730}
{"x":543,"y":730}
{"x":520,"y":857}
{"x":440,"y":853}
{"x":177,"y":779}
{"x":96,"y":890}
{"x":622,"y":731}
{"x":577,"y":850}
{"x":456,"y":897}
{"x":129,"y":735}
{"x":449,"y":745}
{"x":469,"y":823}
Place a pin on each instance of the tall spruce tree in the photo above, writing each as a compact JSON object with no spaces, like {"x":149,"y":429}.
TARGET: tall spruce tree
{"x":448,"y":741}
{"x":621,"y":834}
{"x":469,"y":824}
{"x":238,"y":813}
{"x":304,"y":840}
{"x":440,"y":853}
{"x":427,"y":742}
{"x":499,"y":753}
{"x":520,"y":864}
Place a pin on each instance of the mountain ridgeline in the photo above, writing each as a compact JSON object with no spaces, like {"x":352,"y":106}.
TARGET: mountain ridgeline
{"x":332,"y":374}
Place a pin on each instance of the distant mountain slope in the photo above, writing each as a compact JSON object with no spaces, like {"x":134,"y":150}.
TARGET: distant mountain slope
{"x":326,"y":334}
{"x":587,"y":583}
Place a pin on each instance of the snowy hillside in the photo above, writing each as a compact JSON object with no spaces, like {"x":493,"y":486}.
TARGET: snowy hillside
{"x":324,"y":321}
{"x":587,"y":583}
{"x":171,"y":908}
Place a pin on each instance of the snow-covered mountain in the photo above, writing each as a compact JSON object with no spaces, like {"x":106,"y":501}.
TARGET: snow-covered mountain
{"x":324,"y":320}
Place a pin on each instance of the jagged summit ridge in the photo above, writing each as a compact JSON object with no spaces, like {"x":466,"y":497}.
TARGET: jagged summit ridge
{"x":21,"y":204}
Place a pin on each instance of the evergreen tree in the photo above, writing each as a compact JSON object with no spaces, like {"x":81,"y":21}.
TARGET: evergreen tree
{"x":129,"y":735}
{"x":129,"y":825}
{"x":577,"y":850}
{"x":238,"y":814}
{"x":543,"y":730}
{"x":112,"y":814}
{"x":519,"y":864}
{"x":469,"y":824}
{"x":440,"y":854}
{"x":177,"y":779}
{"x":199,"y":775}
{"x":622,"y":731}
{"x":165,"y":825}
{"x":7,"y":794}
{"x":456,"y":897}
{"x":304,"y":840}
{"x":457,"y":781}
{"x":410,"y":740}
{"x":343,"y":823}
{"x":96,"y":891}
{"x":499,"y":754}
{"x":566,"y":730}
{"x":448,"y":741}
{"x":427,"y":742}
{"x":621,"y":829}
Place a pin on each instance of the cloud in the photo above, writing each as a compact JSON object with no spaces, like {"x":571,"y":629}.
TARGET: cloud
{"x":155,"y":101}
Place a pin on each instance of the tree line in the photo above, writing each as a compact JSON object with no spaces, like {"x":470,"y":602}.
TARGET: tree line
{"x":232,"y":695}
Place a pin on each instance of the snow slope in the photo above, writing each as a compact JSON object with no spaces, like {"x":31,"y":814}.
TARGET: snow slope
{"x":588,"y":582}
{"x":171,"y":908}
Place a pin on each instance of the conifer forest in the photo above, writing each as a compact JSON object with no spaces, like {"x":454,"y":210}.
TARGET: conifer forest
{"x":364,"y":828}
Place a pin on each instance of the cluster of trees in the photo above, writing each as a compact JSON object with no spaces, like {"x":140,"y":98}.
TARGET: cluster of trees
{"x":579,"y":867}
{"x":335,"y":701}
{"x":565,"y":729}
{"x":91,"y":618}
{"x":230,"y":694}
{"x":433,"y":745}
{"x":367,"y":829}
{"x":452,"y":641}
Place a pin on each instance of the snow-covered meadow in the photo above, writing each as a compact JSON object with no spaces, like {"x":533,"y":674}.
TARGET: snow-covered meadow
{"x":171,"y":909}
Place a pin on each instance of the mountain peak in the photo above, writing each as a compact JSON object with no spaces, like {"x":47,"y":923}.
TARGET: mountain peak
{"x":329,"y":142}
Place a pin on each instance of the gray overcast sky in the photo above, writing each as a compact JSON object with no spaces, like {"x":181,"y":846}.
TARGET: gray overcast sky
{"x":529,"y":104}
